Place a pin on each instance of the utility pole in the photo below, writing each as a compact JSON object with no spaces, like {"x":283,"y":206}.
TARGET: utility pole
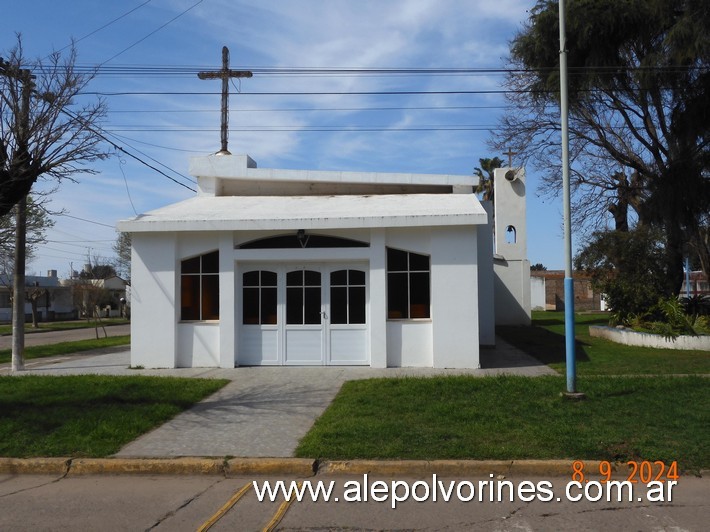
{"x":570,"y":356}
{"x":224,"y":74}
{"x":25,"y":77}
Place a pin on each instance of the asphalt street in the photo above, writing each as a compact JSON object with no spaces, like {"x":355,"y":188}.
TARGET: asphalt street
{"x":175,"y":504}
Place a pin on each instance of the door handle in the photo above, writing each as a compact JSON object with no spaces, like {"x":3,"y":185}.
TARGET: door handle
{"x":323,"y":314}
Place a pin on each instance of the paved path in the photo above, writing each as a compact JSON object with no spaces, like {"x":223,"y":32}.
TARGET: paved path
{"x":263,"y":411}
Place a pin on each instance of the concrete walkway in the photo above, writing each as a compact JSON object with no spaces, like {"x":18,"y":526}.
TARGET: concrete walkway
{"x":263,"y":411}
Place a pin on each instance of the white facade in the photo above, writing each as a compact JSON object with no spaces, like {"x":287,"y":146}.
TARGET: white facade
{"x":511,"y":266}
{"x":312,"y":268}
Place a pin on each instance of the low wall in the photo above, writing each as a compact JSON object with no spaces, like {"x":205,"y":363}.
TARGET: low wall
{"x":629,"y":337}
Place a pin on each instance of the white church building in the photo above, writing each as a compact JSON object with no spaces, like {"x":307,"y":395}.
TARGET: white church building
{"x":300,"y":267}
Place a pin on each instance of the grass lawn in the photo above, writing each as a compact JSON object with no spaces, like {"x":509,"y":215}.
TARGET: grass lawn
{"x":65,"y":348}
{"x":88,"y":415}
{"x":596,"y":356}
{"x":623,"y":418}
{"x":63,"y":325}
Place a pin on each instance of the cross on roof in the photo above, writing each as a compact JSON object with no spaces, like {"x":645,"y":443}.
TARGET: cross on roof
{"x":224,"y":74}
{"x":510,"y":154}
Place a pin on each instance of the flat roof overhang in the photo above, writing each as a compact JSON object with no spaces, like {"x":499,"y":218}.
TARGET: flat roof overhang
{"x":242,"y":213}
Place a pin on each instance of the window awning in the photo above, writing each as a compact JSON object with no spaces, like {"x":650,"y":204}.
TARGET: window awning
{"x":240,"y":213}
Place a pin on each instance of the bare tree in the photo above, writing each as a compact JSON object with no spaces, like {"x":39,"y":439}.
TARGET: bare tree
{"x":122,"y":248}
{"x":43,"y":134}
{"x":38,"y":222}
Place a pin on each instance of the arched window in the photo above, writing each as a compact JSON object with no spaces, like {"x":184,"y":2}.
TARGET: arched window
{"x":511,"y":236}
{"x":302,"y":239}
{"x":199,"y":287}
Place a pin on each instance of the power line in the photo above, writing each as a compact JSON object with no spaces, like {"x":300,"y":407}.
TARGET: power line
{"x":315,"y":109}
{"x":84,"y":220}
{"x":153,"y":32}
{"x":106,"y":25}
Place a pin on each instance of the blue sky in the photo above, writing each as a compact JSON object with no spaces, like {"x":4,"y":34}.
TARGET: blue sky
{"x":420,"y":133}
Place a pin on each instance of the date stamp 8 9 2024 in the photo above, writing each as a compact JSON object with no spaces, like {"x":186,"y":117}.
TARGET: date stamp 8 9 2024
{"x":644,"y":472}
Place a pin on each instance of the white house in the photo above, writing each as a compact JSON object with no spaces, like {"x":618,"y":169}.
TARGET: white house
{"x":300,"y":267}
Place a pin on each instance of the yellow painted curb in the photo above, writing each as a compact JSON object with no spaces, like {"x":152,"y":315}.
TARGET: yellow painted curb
{"x":34,"y":466}
{"x":147,"y":466}
{"x":454,"y":468}
{"x":302,"y":467}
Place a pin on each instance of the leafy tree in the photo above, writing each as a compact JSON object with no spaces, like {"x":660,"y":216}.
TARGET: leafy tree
{"x":627,"y":267}
{"x":538,"y":267}
{"x":639,"y":90}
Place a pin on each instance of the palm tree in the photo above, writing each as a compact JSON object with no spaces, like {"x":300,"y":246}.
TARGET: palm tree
{"x":485,"y":175}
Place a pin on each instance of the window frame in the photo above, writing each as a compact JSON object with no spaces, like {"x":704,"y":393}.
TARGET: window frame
{"x":409,"y":272}
{"x":262,"y":287}
{"x":205,"y":279}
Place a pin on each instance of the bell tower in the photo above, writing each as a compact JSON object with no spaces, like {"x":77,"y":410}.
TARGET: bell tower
{"x":510,"y":261}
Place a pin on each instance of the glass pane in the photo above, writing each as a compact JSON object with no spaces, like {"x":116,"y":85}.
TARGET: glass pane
{"x":396,"y":260}
{"x":210,"y":297}
{"x":268,"y":278}
{"x":294,"y":278}
{"x":418,"y":263}
{"x":312,"y":278}
{"x":268,"y":306}
{"x":419,"y":295}
{"x":338,"y":305}
{"x":189,"y":297}
{"x":294,"y":306}
{"x":397,"y":296}
{"x":210,"y":262}
{"x":190,"y":265}
{"x":250,"y":279}
{"x":356,"y":304}
{"x":250,"y":306}
{"x":357,"y":277}
{"x":339,"y":278}
{"x":312,"y":306}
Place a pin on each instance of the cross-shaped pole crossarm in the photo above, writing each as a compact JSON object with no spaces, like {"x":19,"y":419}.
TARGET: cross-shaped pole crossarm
{"x":224,"y":74}
{"x":221,"y":74}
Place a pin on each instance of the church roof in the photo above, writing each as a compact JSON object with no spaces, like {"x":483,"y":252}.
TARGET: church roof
{"x":232,"y":213}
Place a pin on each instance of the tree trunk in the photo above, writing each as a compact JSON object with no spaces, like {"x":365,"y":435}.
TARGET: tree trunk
{"x":18,"y":281}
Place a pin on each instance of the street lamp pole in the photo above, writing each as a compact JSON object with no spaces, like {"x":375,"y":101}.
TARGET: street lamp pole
{"x":568,"y":282}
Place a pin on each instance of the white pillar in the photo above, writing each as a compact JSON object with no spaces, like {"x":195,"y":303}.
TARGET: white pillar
{"x":155,"y":301}
{"x":227,"y":301}
{"x":378,"y":299}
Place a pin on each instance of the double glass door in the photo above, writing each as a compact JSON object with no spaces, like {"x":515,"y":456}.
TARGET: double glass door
{"x":312,"y":314}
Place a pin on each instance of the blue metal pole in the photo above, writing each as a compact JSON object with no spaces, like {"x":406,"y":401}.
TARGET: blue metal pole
{"x":569,"y":284}
{"x":571,"y":363}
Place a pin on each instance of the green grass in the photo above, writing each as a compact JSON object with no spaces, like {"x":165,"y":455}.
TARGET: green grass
{"x":63,"y":325}
{"x":88,"y":415}
{"x":66,"y":348}
{"x":596,"y":356}
{"x":505,"y":418}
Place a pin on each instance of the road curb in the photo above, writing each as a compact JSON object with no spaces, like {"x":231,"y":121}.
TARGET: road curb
{"x":452,"y":468}
{"x":304,"y":467}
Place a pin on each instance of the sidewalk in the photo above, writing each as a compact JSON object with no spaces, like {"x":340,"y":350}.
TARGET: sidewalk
{"x":264,"y":411}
